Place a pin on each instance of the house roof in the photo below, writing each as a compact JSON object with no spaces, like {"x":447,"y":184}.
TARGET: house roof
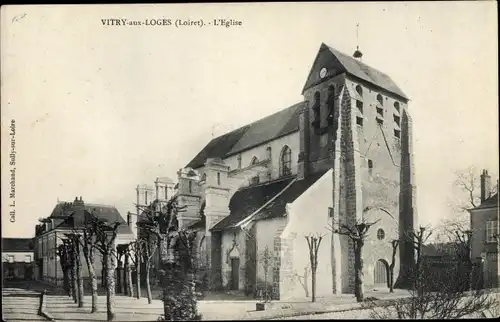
{"x":247,"y":200}
{"x":17,"y":245}
{"x":491,"y":202}
{"x":360,"y":70}
{"x":106,"y":213}
{"x":259,"y":132}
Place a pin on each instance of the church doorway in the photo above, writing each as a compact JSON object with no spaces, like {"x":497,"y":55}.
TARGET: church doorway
{"x":381,"y":273}
{"x":235,"y":273}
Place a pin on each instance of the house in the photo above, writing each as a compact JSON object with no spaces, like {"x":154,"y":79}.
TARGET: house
{"x":485,"y":237}
{"x":17,"y":258}
{"x":342,"y":154}
{"x":68,"y":218}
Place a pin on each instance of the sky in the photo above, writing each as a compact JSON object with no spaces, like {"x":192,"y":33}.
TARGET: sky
{"x":99,"y":109}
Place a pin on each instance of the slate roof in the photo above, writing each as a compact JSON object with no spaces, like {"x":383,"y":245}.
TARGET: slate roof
{"x":360,"y":70}
{"x":259,"y":132}
{"x":247,"y":200}
{"x":104,"y":212}
{"x":10,"y":245}
{"x":491,"y":202}
{"x":367,"y":73}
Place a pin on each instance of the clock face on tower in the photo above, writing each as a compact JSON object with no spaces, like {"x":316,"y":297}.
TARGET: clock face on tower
{"x":322,"y":72}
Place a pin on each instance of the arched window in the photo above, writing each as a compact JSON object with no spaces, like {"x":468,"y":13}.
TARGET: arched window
{"x":359,"y":90}
{"x":269,"y":153}
{"x":204,"y":177}
{"x":190,"y":186}
{"x":380,"y":99}
{"x":286,"y":161}
{"x":218,"y":178}
{"x":254,"y":161}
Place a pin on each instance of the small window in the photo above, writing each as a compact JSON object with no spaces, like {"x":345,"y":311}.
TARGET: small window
{"x":397,"y":134}
{"x":190,"y":186}
{"x":254,"y":161}
{"x":27,"y":259}
{"x":255,"y":180}
{"x":380,"y":111}
{"x":370,"y":164}
{"x":396,"y":106}
{"x":359,"y":121}
{"x":11,"y":259}
{"x":359,"y":90}
{"x":203,"y":178}
{"x":359,"y":105}
{"x":380,"y":121}
{"x":269,"y":153}
{"x":218,"y":178}
{"x":491,"y":231}
{"x":397,"y":119}
{"x":380,"y":234}
{"x":239,"y":161}
{"x":380,"y":99}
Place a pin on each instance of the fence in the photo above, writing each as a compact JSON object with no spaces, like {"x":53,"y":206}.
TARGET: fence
{"x":451,"y":272}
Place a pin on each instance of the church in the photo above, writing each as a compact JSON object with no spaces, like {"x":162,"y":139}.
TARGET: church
{"x":342,"y":154}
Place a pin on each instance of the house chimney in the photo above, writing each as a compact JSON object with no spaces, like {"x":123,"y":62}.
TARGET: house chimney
{"x":485,"y":185}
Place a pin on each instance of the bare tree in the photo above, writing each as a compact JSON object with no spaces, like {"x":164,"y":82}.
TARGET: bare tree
{"x":357,"y":233}
{"x":149,"y":250}
{"x":136,"y":250}
{"x":467,"y":195}
{"x":434,"y":297}
{"x":463,"y":246}
{"x":128,"y":271}
{"x":394,"y":244}
{"x":64,"y":254}
{"x":106,"y":234}
{"x":418,"y":239}
{"x":77,"y":267}
{"x":86,"y":239}
{"x":179,"y":266}
{"x":313,"y":242}
{"x":267,"y":261}
{"x":150,"y":225}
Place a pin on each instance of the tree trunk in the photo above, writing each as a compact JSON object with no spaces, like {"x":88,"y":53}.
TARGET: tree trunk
{"x":313,"y":285}
{"x":391,"y":278}
{"x":104,"y":272}
{"x":119,"y":278}
{"x":93,"y":282}
{"x":74,"y":283}
{"x":358,"y":271}
{"x":128,"y":276}
{"x":148,"y":286}
{"x":125,"y":280}
{"x":79,"y":277}
{"x":138,"y":270}
{"x":66,"y":281}
{"x":110,"y":287}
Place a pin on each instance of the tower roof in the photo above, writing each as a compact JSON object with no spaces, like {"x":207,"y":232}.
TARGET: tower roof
{"x":343,"y":63}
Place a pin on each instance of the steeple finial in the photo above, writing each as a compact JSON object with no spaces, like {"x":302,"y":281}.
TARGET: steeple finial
{"x":357,"y":54}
